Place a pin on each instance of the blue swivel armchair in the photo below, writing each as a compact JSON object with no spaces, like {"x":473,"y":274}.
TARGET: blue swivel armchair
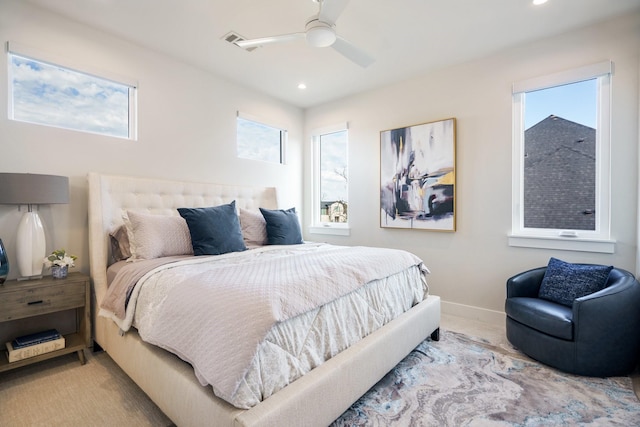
{"x":597,"y":335}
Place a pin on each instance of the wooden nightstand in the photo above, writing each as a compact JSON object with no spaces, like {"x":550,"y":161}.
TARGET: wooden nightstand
{"x":34,"y":305}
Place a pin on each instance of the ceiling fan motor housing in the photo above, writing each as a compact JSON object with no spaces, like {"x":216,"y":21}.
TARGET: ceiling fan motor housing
{"x":320,"y":34}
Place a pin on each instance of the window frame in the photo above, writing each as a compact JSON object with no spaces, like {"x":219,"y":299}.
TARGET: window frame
{"x":317,"y":225}
{"x":15,"y":49}
{"x":598,"y":240}
{"x":284,"y":135}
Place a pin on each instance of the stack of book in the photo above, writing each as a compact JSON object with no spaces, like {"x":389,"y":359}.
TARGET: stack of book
{"x":32,"y":345}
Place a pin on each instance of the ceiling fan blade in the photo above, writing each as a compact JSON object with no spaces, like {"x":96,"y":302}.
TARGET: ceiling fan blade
{"x":353,"y":53}
{"x":330,"y":10}
{"x":270,"y":40}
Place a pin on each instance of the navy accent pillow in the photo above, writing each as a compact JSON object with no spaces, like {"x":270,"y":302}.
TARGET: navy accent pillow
{"x":563,"y":282}
{"x":214,"y":230}
{"x":283,"y":227}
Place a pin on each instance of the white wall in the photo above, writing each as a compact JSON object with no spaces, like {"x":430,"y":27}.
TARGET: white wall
{"x":470,"y":266}
{"x":186,"y":118}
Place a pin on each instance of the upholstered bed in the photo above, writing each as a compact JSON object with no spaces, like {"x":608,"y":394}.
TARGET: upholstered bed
{"x":317,"y":395}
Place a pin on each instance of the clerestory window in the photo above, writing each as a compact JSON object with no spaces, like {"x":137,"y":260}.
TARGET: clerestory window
{"x":259,"y":141}
{"x":47,"y":93}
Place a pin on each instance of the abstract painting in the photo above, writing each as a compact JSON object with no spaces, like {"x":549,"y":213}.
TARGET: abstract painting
{"x":418,"y":176}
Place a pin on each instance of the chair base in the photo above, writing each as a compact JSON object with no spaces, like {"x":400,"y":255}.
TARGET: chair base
{"x":562,"y":354}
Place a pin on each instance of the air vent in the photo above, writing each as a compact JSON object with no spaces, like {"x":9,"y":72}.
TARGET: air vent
{"x":234,"y":38}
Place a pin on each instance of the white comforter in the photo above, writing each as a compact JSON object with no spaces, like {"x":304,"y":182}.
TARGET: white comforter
{"x":215,"y":312}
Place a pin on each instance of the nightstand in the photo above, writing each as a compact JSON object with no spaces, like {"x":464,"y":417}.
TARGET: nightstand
{"x":34,"y":305}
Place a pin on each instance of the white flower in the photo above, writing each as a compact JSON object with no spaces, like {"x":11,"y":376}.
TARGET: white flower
{"x":60,"y":258}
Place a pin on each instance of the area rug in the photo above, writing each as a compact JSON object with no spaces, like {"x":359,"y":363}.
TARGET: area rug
{"x":463,"y":381}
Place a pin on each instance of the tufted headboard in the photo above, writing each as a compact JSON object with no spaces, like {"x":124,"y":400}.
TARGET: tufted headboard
{"x":109,"y":195}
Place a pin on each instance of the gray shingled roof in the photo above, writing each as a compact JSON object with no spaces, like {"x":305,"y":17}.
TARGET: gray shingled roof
{"x":559,"y":175}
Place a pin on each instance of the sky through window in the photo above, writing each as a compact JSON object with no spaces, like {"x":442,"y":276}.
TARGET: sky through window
{"x":52,"y":95}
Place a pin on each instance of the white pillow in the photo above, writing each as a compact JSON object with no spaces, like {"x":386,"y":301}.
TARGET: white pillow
{"x":254,"y":228}
{"x":155,"y":236}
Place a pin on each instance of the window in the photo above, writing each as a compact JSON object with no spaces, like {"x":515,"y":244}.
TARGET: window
{"x":44,"y":93}
{"x":330,"y":180}
{"x":561,"y":161}
{"x":258,"y":141}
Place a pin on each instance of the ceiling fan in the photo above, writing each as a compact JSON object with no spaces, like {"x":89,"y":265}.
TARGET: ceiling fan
{"x":320,"y":32}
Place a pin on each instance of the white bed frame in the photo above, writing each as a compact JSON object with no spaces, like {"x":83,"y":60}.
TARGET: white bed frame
{"x":316,"y":399}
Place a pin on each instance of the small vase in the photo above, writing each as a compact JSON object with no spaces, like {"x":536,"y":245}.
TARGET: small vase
{"x":4,"y":264}
{"x":59,"y":272}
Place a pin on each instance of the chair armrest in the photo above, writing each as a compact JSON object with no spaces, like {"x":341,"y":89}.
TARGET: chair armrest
{"x":606,"y":325}
{"x":526,"y":284}
{"x":619,"y":299}
{"x":614,"y":307}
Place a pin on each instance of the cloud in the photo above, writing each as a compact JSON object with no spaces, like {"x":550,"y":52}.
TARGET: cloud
{"x":56,"y":96}
{"x":257,"y":141}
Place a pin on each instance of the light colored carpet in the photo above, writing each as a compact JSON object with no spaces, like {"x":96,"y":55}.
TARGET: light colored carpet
{"x":61,"y":392}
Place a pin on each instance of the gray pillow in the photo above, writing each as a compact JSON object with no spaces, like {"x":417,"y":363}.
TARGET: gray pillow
{"x":214,"y":230}
{"x":563,"y":282}
{"x":283,"y":227}
{"x":254,"y":228}
{"x":156,"y":236}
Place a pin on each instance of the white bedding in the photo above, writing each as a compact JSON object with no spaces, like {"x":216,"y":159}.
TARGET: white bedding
{"x":295,"y":347}
{"x":295,"y":341}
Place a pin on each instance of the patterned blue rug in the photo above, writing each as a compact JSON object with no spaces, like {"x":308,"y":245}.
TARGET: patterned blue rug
{"x":462,"y":381}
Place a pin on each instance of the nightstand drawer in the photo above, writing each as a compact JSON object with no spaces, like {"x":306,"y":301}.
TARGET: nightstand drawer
{"x":41,"y":300}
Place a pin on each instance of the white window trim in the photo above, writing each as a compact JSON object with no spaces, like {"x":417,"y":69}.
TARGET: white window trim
{"x":317,"y":226}
{"x":598,"y":240}
{"x":330,"y":229}
{"x":284,"y":134}
{"x":18,"y":49}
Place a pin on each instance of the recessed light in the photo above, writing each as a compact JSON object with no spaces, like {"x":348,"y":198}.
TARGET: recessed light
{"x":539,"y":2}
{"x":302,"y":86}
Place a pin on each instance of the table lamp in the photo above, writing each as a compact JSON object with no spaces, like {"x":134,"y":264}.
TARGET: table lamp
{"x":32,"y":190}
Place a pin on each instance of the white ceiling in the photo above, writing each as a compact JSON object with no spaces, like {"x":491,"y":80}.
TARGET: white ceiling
{"x":407,"y":37}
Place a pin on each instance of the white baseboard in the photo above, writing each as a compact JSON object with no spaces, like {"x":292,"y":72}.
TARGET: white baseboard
{"x":470,"y":312}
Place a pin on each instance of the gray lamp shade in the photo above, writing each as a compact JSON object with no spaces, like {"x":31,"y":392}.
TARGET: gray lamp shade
{"x":33,"y":189}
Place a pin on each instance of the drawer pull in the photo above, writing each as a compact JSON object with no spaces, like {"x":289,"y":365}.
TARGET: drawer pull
{"x":35,"y":302}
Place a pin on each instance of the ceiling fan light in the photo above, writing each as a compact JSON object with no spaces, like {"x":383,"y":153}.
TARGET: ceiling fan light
{"x":321,"y":36}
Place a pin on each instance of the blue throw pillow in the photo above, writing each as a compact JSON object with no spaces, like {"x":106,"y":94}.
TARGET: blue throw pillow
{"x":214,"y":230}
{"x":283,"y":227}
{"x":563,"y":282}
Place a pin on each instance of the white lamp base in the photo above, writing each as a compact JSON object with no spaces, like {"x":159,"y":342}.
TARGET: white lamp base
{"x":30,"y":246}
